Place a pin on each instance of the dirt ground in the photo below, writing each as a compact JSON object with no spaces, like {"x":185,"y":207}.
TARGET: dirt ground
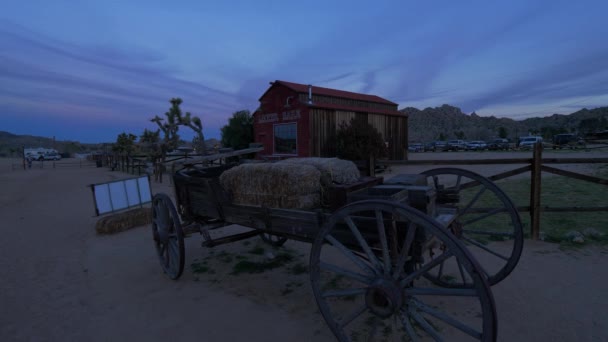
{"x":59,"y":281}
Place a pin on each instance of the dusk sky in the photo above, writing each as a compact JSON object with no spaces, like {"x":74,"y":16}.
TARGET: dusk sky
{"x":89,"y":70}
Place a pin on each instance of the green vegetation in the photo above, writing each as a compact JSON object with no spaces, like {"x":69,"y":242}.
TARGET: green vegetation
{"x":557,"y":191}
{"x":245,"y":266}
{"x":358,"y":140}
{"x":238,"y":133}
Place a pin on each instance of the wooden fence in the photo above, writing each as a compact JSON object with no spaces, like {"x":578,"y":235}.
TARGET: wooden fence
{"x":535,"y":165}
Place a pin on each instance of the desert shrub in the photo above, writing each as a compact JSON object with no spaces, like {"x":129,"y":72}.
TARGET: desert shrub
{"x":358,"y":140}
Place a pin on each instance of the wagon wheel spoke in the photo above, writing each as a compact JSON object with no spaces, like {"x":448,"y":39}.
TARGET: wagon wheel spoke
{"x":344,"y":272}
{"x":383,"y":241}
{"x":424,"y":269}
{"x":350,"y":255}
{"x":372,"y":305}
{"x":472,"y":202}
{"x":405,"y":249}
{"x":440,"y":291}
{"x":352,"y":316}
{"x":408,"y":327}
{"x":484,"y":216}
{"x":473,"y":242}
{"x":425,"y":325}
{"x":486,"y":220}
{"x":447,"y":319}
{"x":364,"y":245}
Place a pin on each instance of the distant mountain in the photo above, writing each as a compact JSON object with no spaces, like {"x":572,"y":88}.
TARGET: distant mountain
{"x":448,"y":122}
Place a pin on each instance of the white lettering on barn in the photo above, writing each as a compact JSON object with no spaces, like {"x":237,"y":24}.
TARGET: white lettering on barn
{"x":268,"y":117}
{"x":291,"y":115}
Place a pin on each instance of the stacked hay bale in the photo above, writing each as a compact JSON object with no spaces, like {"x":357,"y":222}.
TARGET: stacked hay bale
{"x":333,"y":170}
{"x":274,"y":185}
{"x":119,"y":222}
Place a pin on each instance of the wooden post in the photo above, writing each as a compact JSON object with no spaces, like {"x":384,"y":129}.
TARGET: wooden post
{"x":535,"y":191}
{"x":371,"y":166}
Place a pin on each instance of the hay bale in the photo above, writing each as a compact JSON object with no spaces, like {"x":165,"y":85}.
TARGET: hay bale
{"x":333,"y":170}
{"x":274,"y":185}
{"x":119,"y":222}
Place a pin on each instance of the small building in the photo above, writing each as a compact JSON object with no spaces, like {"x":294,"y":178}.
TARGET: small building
{"x":298,"y":120}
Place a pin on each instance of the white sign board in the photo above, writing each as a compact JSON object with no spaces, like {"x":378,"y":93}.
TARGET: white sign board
{"x":122,"y":194}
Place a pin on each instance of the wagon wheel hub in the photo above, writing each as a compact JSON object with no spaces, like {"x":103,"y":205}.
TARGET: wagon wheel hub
{"x":384,"y":297}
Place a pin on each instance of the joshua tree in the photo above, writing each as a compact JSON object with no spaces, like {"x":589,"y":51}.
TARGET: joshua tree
{"x":170,"y":127}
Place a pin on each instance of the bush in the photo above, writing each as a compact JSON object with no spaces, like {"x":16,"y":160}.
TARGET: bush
{"x":359,"y":140}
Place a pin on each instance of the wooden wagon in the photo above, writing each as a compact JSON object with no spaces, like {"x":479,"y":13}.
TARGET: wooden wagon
{"x":409,"y":258}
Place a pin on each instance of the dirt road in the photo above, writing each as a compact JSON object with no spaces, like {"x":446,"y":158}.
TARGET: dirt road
{"x":61,"y":282}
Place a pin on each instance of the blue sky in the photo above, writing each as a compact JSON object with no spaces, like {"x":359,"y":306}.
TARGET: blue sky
{"x":89,"y":70}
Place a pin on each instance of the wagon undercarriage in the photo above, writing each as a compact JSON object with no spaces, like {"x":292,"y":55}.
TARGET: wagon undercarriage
{"x":410,"y":259}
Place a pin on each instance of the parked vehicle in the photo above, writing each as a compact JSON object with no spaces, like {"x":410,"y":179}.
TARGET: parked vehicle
{"x":41,"y":154}
{"x":567,"y":141}
{"x":441,"y":146}
{"x":476,"y":145}
{"x":416,"y":147}
{"x":499,"y":145}
{"x":456,"y":145}
{"x":51,"y":156}
{"x":429,"y":147}
{"x":527,"y":143}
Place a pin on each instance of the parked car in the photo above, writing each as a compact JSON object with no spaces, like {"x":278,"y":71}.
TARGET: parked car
{"x":567,"y":141}
{"x":527,"y":143}
{"x":475,"y":145}
{"x":499,"y":145}
{"x":456,"y":145}
{"x":52,"y":156}
{"x":441,"y":146}
{"x":415,"y":147}
{"x":429,"y":147}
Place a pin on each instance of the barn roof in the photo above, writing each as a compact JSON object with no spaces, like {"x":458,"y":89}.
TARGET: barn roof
{"x":303,"y":88}
{"x":358,"y":109}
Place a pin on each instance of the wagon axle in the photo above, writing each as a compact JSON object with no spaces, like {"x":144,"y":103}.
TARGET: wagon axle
{"x":384,"y":297}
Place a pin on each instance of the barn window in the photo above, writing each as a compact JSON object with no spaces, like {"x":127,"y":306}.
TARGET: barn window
{"x":285,"y":138}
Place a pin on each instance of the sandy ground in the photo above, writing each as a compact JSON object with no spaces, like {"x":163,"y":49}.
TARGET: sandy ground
{"x":61,"y":282}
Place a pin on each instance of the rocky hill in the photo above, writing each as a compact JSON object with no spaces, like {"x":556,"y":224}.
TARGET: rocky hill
{"x":448,"y":122}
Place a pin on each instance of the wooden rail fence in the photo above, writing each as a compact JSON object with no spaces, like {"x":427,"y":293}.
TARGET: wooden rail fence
{"x":535,"y":165}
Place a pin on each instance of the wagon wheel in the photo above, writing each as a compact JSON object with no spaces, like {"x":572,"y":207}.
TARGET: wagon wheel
{"x":487,"y":222}
{"x":168,"y":236}
{"x":273,"y":240}
{"x":368,"y":276}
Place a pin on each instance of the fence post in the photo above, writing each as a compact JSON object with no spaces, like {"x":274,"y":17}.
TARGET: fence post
{"x":535,"y":191}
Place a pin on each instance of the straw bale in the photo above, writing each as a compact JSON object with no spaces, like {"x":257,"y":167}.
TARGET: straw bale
{"x":119,"y":222}
{"x":333,"y":170}
{"x":274,"y":185}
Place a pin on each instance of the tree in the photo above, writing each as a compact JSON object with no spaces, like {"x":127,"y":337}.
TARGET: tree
{"x":441,"y":137}
{"x":125,"y":143}
{"x":359,"y":140}
{"x":502,"y":132}
{"x":150,"y":142}
{"x":459,"y":135}
{"x":170,"y":127}
{"x":238,"y":133}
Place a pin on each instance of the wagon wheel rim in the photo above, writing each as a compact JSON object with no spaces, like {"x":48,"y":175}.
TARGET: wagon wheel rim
{"x":371,"y":248}
{"x":487,"y":222}
{"x":273,"y":240}
{"x":168,"y":236}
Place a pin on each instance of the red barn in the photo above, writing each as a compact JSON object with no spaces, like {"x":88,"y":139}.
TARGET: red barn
{"x":302,"y":120}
